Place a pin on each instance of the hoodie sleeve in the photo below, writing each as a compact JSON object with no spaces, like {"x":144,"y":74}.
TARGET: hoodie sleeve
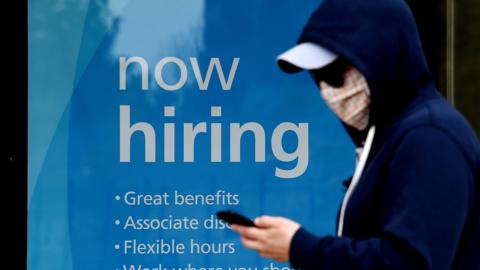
{"x":426,"y":200}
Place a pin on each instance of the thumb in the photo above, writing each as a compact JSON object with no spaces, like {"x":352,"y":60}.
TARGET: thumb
{"x":265,"y":221}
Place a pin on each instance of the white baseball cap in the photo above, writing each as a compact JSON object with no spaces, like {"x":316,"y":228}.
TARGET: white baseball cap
{"x":305,"y":56}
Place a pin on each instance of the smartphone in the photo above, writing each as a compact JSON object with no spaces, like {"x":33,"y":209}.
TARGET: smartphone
{"x":232,"y":217}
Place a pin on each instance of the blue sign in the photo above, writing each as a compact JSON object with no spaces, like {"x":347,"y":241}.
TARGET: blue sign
{"x":147,"y":117}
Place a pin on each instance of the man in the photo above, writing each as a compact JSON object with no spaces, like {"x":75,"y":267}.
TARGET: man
{"x":414,"y":199}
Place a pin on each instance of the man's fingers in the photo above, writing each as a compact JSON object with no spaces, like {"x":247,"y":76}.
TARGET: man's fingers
{"x":249,"y":232}
{"x":266,"y":221}
{"x":236,"y":228}
{"x":251,"y":244}
{"x":264,"y":254}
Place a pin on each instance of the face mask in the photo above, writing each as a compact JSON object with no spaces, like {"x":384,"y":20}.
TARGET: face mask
{"x":350,"y":102}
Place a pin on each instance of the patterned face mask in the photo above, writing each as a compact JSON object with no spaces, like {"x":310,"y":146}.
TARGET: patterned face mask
{"x":350,"y":102}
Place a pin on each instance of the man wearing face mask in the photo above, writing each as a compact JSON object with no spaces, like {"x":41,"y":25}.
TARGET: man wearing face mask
{"x":414,"y":199}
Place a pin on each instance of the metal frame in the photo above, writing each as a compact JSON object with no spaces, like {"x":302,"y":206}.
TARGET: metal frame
{"x":450,"y":57}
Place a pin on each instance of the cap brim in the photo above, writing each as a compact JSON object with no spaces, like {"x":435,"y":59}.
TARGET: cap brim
{"x":305,"y":56}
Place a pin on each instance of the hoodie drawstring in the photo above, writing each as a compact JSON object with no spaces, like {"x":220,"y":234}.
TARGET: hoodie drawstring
{"x":356,"y":176}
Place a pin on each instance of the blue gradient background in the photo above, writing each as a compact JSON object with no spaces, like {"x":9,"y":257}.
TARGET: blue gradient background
{"x":74,"y":168}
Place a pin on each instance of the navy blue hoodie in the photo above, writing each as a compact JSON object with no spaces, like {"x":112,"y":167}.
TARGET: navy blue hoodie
{"x":417,"y":202}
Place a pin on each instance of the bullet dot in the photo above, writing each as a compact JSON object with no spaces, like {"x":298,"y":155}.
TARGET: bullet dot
{"x":117,"y":222}
{"x":117,"y":197}
{"x":117,"y":246}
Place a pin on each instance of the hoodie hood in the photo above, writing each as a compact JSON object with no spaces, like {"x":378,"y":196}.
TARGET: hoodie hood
{"x":380,"y":38}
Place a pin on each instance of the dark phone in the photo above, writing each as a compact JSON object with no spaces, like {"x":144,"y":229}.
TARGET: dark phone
{"x":232,"y":217}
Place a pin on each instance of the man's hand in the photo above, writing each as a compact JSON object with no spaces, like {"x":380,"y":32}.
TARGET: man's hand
{"x":271,"y":238}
